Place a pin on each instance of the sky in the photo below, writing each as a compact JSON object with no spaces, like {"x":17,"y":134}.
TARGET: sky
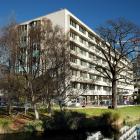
{"x":92,"y":12}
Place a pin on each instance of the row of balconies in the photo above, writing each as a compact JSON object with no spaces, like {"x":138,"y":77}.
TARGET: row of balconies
{"x":100,"y":81}
{"x":92,"y":70}
{"x":101,"y":91}
{"x":89,"y":62}
{"x":96,"y":54}
{"x":89,"y":57}
{"x":85,"y":35}
{"x":125,"y":62}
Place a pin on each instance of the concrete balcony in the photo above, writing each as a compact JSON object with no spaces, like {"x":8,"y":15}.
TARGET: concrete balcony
{"x":77,"y":31}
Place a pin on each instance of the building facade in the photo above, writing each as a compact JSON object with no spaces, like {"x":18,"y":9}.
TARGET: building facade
{"x":85,"y":53}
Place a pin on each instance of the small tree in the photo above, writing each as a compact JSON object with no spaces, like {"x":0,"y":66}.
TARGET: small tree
{"x":42,"y":56}
{"x":48,"y":64}
{"x":9,"y":44}
{"x":118,"y":45}
{"x":56,"y":63}
{"x":12,"y":87}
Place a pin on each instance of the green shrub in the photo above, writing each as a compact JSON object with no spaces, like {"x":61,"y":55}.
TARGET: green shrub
{"x":67,"y":120}
{"x":108,"y":125}
{"x":34,"y":126}
{"x":5,"y":122}
{"x":110,"y":117}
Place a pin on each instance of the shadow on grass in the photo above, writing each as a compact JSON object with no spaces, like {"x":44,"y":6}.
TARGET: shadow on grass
{"x":78,"y":126}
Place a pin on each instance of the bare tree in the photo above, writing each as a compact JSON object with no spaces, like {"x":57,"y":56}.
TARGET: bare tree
{"x":21,"y":48}
{"x":118,"y":46}
{"x":9,"y":45}
{"x":40,"y":52}
{"x":56,"y":63}
{"x":46,"y":61}
{"x":12,"y":87}
{"x":28,"y":60}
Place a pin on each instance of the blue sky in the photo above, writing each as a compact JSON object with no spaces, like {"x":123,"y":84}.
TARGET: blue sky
{"x":92,"y":12}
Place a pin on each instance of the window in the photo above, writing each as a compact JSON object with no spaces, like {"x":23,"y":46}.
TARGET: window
{"x":98,"y":69}
{"x":97,"y":50}
{"x":74,"y":84}
{"x":83,"y":74}
{"x":74,"y":72}
{"x":92,"y":66}
{"x":83,"y":52}
{"x":90,"y":36}
{"x":73,"y":35}
{"x":98,"y":78}
{"x":23,"y":27}
{"x":92,"y":56}
{"x":91,"y":76}
{"x":34,"y":23}
{"x":91,"y":45}
{"x":105,"y":79}
{"x":81,"y":29}
{"x":92,"y":87}
{"x":98,"y":60}
{"x":73,"y":47}
{"x":82,"y":40}
{"x":83,"y":86}
{"x":72,"y":22}
{"x":23,"y":51}
{"x":98,"y":87}
{"x":107,"y":89}
{"x":83,"y":63}
{"x":73,"y":59}
{"x":25,"y":39}
{"x":104,"y":62}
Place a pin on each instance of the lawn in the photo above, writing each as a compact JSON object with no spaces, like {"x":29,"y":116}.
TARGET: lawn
{"x":129,"y":114}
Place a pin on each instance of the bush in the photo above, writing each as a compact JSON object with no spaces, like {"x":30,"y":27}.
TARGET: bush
{"x":109,"y":117}
{"x":34,"y":126}
{"x":5,"y":122}
{"x":66,"y":120}
{"x":108,"y":124}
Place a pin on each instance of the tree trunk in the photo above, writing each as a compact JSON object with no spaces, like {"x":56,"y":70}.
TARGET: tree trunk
{"x":60,"y":106}
{"x":36,"y":112}
{"x":49,"y":109}
{"x":9,"y":108}
{"x":35,"y":108}
{"x":33,"y":102}
{"x":114,"y":94}
{"x":25,"y":107}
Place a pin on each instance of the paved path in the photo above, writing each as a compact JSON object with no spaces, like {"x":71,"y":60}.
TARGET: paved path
{"x":101,"y":107}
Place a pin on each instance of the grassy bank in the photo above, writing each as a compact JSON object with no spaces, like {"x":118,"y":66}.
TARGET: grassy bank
{"x":129,"y":114}
{"x":20,"y":123}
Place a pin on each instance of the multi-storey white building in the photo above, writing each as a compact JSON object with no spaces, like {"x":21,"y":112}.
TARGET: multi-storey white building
{"x":85,"y":53}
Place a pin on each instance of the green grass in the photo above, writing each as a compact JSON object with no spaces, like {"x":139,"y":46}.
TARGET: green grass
{"x":4,"y":123}
{"x":129,"y":114}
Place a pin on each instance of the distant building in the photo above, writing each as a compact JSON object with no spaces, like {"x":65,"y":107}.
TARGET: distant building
{"x":84,"y":53}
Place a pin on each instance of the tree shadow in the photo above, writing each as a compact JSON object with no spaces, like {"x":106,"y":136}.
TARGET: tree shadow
{"x":78,"y":126}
